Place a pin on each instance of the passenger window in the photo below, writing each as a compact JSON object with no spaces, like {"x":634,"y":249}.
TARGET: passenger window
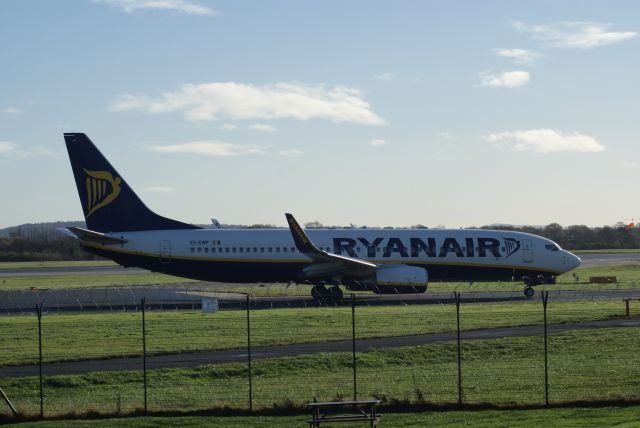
{"x":199,"y":249}
{"x":270,"y":249}
{"x":277,"y":249}
{"x":255,"y":250}
{"x":241,"y":249}
{"x":193,"y":250}
{"x":284,"y":249}
{"x":213,"y":250}
{"x":262,"y":249}
{"x":293,"y":250}
{"x":206,"y":249}
{"x":233,"y":250}
{"x":226,"y":250}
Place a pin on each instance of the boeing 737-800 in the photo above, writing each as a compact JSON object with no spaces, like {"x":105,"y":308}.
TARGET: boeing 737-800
{"x":121,"y":227}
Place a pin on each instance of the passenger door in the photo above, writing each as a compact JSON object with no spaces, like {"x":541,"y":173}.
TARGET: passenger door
{"x":527,"y":251}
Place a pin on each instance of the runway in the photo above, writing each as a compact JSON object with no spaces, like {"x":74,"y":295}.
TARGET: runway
{"x":182,"y":360}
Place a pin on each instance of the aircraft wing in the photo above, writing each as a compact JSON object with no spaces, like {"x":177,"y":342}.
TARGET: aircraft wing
{"x":331,"y":263}
{"x":92,"y":236}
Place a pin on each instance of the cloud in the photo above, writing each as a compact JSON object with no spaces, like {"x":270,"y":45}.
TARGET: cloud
{"x":229,"y":127}
{"x":158,"y":189}
{"x":575,"y":34}
{"x":293,"y":153}
{"x":444,"y":135}
{"x":509,"y":79}
{"x":182,"y":6}
{"x":11,"y":110}
{"x":378,"y":142}
{"x":385,"y":77}
{"x":518,"y":56}
{"x":629,"y":164}
{"x":7,"y":147}
{"x":262,"y":127}
{"x":544,"y":141}
{"x":212,"y":101}
{"x":210,"y":148}
{"x":11,"y":149}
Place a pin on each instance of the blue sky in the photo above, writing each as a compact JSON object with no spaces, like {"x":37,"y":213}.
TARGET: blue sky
{"x":365,"y":112}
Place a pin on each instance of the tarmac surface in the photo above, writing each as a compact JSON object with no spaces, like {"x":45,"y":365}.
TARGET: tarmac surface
{"x":240,"y":355}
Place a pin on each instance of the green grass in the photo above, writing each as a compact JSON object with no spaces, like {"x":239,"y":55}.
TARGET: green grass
{"x":628,"y":277}
{"x":626,"y":417}
{"x":87,"y":281}
{"x":582,"y":366}
{"x":609,"y":251}
{"x":53,"y":264}
{"x":100,"y":335}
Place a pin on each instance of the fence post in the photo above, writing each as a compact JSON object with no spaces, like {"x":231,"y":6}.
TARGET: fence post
{"x":144,"y":353}
{"x":545,"y":298}
{"x":6,"y":400}
{"x":457,"y":295}
{"x":353,"y":344}
{"x":249,"y":356}
{"x":39,"y":312}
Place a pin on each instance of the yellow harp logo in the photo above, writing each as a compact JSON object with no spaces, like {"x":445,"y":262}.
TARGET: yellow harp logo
{"x":102,"y":189}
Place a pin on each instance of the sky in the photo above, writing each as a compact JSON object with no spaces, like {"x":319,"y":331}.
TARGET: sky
{"x":372,"y":113}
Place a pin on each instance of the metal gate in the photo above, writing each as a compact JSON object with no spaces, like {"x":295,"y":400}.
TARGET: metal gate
{"x":527,"y":251}
{"x":165,"y":251}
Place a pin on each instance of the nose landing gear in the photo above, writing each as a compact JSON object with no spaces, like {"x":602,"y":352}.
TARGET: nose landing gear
{"x":529,"y":283}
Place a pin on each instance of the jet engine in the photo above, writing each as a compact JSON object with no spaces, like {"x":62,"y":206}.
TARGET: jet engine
{"x":398,"y":279}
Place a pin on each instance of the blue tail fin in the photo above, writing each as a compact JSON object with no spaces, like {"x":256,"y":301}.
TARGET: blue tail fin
{"x":108,"y":202}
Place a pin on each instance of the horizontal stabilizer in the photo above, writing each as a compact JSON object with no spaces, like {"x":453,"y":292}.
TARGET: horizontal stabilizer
{"x":94,"y":237}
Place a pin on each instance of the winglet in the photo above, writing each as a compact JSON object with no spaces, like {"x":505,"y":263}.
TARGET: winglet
{"x":302,"y":241}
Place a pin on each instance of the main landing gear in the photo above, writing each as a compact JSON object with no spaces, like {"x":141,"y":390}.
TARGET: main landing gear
{"x":327,"y":295}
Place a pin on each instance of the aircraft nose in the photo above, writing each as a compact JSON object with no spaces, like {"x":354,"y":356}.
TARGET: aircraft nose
{"x":573,"y":261}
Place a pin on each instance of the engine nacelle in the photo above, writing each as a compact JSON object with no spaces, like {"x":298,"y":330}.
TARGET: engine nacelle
{"x":400,"y":279}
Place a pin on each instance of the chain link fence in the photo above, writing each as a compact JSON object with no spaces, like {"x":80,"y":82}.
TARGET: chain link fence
{"x":243,"y":356}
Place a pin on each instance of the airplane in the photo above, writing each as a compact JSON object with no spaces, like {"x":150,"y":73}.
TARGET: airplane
{"x":121,"y":227}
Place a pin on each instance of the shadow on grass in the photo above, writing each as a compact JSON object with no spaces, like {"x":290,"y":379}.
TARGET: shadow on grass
{"x":289,"y":408}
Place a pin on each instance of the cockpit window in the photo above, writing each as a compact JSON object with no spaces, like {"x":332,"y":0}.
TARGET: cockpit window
{"x":551,"y":247}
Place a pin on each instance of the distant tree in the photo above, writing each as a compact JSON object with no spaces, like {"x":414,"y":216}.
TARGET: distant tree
{"x":313,"y":225}
{"x":555,"y":232}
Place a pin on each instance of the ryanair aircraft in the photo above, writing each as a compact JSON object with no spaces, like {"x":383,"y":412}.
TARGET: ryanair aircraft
{"x":121,"y":227}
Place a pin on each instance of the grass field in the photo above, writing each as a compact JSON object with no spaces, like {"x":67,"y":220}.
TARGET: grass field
{"x":100,"y":335}
{"x":609,"y":251}
{"x":626,"y":417}
{"x":88,"y":281}
{"x":582,"y":366}
{"x":54,"y":264}
{"x":628,"y":277}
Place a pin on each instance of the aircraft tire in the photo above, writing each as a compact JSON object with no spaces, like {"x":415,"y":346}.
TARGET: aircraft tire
{"x":529,"y":292}
{"x":335,"y":294}
{"x":319,"y":293}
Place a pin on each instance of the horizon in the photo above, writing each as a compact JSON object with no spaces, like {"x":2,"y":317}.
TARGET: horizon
{"x":369,"y":113}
